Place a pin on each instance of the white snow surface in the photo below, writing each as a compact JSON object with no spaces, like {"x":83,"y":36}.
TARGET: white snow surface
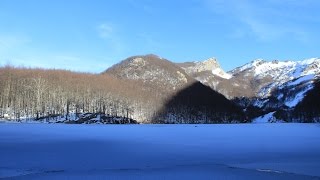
{"x":301,"y":80}
{"x":242,"y":151}
{"x":298,"y":97}
{"x":219,"y":72}
{"x":265,"y":118}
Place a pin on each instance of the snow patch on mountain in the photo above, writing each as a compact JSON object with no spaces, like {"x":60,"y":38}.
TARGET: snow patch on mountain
{"x":265,"y":118}
{"x":219,"y":72}
{"x":301,"y":80}
{"x":293,"y":101}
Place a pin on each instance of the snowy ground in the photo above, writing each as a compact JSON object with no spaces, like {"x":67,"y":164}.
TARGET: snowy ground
{"x":245,"y":151}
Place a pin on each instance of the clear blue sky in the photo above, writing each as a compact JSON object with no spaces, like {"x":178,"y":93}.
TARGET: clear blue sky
{"x":91,"y":35}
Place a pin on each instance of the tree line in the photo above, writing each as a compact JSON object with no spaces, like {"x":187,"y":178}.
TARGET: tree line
{"x":37,"y":93}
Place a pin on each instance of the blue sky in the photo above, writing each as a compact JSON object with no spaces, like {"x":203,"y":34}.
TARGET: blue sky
{"x":91,"y":35}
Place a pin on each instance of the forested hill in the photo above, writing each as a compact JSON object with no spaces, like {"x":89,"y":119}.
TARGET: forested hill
{"x":42,"y":94}
{"x":36,"y":93}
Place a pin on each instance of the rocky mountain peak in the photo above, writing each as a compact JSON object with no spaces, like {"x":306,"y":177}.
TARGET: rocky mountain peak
{"x":208,"y":65}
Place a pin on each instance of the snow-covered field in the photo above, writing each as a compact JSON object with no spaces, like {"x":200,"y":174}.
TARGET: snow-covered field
{"x":243,"y":151}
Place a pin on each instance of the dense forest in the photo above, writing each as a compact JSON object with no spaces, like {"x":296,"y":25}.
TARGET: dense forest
{"x":37,"y":93}
{"x":42,"y":94}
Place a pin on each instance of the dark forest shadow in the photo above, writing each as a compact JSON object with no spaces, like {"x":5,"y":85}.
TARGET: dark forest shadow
{"x":198,"y":103}
{"x":306,"y":111}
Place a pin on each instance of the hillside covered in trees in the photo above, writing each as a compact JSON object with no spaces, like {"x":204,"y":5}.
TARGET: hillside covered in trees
{"x":39,"y":93}
{"x":42,"y":94}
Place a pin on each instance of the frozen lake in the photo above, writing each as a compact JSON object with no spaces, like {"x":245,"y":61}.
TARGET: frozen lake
{"x":243,"y":151}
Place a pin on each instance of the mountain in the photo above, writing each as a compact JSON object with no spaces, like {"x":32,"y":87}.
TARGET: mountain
{"x":151,"y":89}
{"x":152,"y":71}
{"x":275,"y":75}
{"x":178,"y":97}
{"x":205,"y":68}
{"x":260,"y":86}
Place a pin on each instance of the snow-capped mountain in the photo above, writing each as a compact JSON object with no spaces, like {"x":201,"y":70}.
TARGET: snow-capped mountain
{"x":264,"y":84}
{"x":279,"y":74}
{"x":287,"y":81}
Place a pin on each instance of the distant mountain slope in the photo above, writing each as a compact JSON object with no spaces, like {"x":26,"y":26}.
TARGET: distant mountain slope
{"x":176,"y":94}
{"x":151,"y":70}
{"x":265,"y":85}
{"x":258,"y":78}
{"x":273,"y":75}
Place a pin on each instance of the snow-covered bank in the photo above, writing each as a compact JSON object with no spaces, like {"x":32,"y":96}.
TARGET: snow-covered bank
{"x":243,"y":151}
